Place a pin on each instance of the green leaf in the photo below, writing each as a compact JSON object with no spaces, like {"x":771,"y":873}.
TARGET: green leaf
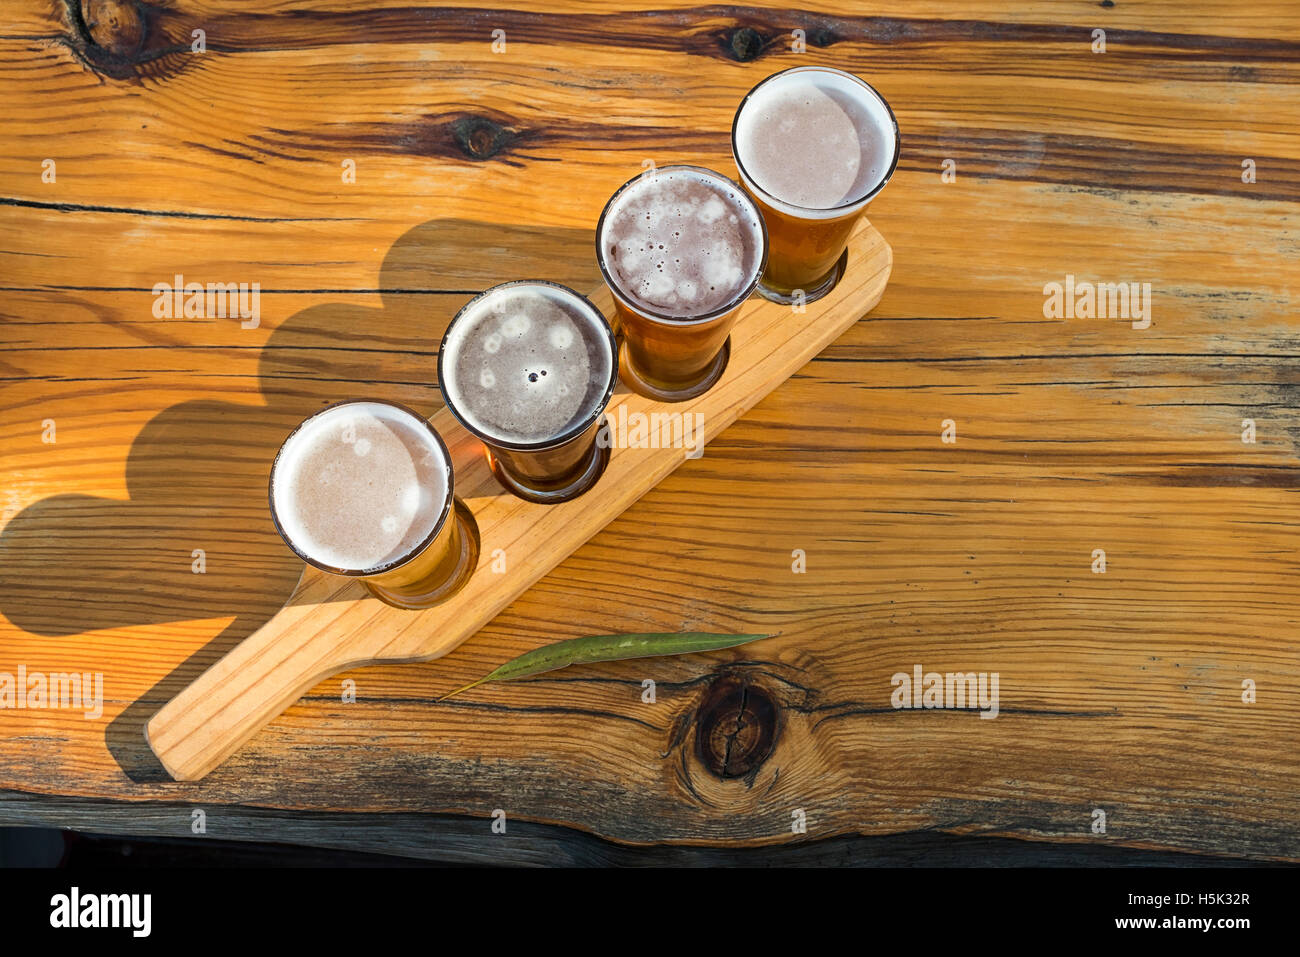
{"x":593,"y":648}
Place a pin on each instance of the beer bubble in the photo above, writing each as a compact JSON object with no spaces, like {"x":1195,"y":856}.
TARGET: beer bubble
{"x":561,"y":336}
{"x":361,"y":446}
{"x":492,"y":343}
{"x":658,"y":287}
{"x":487,"y":379}
{"x":516,"y":326}
{"x":712,"y":211}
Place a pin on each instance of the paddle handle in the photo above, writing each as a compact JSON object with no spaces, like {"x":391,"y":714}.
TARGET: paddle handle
{"x":250,"y":686}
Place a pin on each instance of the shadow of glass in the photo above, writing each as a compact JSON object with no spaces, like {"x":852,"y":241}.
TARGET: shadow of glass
{"x":197,"y":472}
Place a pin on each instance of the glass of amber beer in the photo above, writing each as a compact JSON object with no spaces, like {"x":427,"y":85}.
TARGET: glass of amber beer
{"x":813,"y":146}
{"x":681,"y":248}
{"x":528,"y":367}
{"x":363,"y":488}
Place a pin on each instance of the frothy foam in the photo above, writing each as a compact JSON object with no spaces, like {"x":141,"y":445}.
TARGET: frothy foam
{"x":527,"y":362}
{"x":815,"y":139}
{"x":682,"y":242}
{"x":359,"y":485}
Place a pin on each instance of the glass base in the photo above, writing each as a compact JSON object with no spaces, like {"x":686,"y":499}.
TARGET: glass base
{"x":627,"y":372}
{"x":820,"y":288}
{"x":415,"y":597}
{"x":590,"y":474}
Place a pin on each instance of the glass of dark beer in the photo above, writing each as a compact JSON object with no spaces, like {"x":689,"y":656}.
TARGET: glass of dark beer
{"x":681,"y":248}
{"x":813,"y":146}
{"x":363,"y":488}
{"x":528,"y":367}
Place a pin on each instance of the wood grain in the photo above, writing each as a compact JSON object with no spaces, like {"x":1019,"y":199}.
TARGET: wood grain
{"x":1119,"y":691}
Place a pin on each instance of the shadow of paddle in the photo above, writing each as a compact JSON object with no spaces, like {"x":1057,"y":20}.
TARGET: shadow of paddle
{"x":76,"y":563}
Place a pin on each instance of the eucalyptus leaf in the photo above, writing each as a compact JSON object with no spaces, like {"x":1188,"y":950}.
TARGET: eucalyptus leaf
{"x":594,"y":648}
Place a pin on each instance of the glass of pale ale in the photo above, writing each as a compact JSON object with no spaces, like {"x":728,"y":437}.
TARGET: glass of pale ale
{"x":363,"y":488}
{"x":681,"y":248}
{"x":813,"y":146}
{"x":528,"y":367}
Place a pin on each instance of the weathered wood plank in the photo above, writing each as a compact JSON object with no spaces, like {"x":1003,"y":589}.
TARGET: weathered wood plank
{"x":1098,"y":121}
{"x":1224,"y":279}
{"x":1259,"y":20}
{"x":444,"y":839}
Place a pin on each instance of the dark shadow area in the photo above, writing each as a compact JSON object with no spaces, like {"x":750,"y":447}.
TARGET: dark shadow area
{"x":38,"y":847}
{"x":76,"y":563}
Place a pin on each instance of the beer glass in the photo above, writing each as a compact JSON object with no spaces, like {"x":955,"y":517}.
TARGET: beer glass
{"x":363,"y":488}
{"x":813,"y":146}
{"x":681,"y":248}
{"x":528,"y":367}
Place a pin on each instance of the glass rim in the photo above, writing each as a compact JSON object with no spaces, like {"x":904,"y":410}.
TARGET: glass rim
{"x":415,"y":551}
{"x":814,"y":212}
{"x":661,"y":317}
{"x":570,"y":433}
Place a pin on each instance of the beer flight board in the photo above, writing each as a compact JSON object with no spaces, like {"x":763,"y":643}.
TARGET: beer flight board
{"x":331,"y":624}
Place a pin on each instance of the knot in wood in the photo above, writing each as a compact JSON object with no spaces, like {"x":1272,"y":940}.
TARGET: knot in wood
{"x":115,"y":26}
{"x":745,"y":44}
{"x":480,"y":138}
{"x":736,"y":727}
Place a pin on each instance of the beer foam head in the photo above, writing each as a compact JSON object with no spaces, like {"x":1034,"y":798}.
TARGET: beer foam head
{"x":814,"y":139}
{"x":527,"y":362}
{"x":360,"y":486}
{"x":681,"y":242}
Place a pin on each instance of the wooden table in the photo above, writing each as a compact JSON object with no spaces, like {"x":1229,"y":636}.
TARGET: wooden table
{"x":136,"y":448}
